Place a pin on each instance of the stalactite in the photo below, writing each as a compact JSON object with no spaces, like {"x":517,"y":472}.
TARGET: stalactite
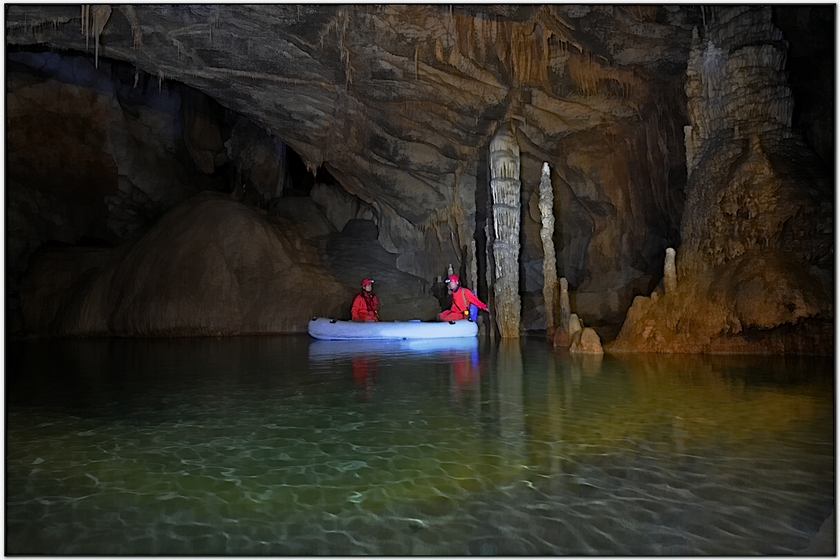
{"x":505,"y":188}
{"x":591,"y":77}
{"x":549,"y":256}
{"x":94,"y":18}
{"x":522,"y":47}
{"x":131,"y":16}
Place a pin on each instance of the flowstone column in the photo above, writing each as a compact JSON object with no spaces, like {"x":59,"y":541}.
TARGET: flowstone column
{"x":505,"y":187}
{"x":549,"y":257}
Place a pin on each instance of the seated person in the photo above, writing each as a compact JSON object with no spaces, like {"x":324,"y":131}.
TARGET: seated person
{"x":365,"y":306}
{"x":461,"y":300}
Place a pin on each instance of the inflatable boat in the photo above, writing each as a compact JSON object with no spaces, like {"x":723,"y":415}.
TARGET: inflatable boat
{"x":330,"y":350}
{"x":324,"y":328}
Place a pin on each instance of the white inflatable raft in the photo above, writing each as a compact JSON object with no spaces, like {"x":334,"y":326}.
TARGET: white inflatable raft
{"x":324,"y":328}
{"x":326,"y":350}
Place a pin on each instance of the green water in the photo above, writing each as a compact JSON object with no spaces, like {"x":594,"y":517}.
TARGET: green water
{"x":282,"y":445}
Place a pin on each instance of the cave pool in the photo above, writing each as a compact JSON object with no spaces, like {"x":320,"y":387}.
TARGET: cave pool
{"x":280,"y":445}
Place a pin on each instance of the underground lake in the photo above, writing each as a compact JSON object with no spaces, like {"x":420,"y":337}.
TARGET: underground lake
{"x":282,"y":445}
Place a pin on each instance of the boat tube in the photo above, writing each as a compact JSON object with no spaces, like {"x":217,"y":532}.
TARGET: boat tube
{"x":326,"y":350}
{"x":324,"y":328}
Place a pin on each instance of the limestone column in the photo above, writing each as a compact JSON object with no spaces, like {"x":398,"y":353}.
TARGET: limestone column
{"x":549,"y":257}
{"x":505,"y":189}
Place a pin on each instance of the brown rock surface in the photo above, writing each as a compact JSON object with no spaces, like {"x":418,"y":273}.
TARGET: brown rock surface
{"x":755,"y":270}
{"x":398,"y":103}
{"x":212,"y":266}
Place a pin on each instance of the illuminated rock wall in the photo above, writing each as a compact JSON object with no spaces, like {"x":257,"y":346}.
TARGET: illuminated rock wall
{"x":755,"y":265}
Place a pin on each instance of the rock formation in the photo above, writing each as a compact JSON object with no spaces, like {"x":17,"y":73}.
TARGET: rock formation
{"x":561,"y":337}
{"x":586,"y":341}
{"x":756,"y":261}
{"x":670,"y":271}
{"x":505,"y":189}
{"x":547,"y":237}
{"x":212,"y":266}
{"x":393,"y":108}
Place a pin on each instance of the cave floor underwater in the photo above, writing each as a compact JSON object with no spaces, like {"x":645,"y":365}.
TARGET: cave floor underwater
{"x":281,"y":445}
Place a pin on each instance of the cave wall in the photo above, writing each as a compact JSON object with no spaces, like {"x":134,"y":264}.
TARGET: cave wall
{"x":398,"y":103}
{"x":90,"y":159}
{"x":755,"y":268}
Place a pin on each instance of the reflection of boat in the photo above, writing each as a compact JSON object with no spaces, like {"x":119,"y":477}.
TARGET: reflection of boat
{"x":330,"y":329}
{"x":332,"y":349}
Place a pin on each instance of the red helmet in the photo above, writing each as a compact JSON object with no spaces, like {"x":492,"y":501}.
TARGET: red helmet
{"x":452,"y":278}
{"x":366,"y":282}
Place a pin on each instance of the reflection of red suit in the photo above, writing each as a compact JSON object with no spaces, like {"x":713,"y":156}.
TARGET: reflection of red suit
{"x":466,"y":372}
{"x":461,"y":300}
{"x":364,"y":370}
{"x":365,"y":307}
{"x":462,"y":370}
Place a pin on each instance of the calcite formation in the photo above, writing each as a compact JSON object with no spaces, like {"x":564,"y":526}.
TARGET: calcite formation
{"x":586,"y":341}
{"x":391,"y":109}
{"x":670,"y":270}
{"x":561,"y":337}
{"x":755,"y":263}
{"x":398,"y":104}
{"x":505,"y":188}
{"x":550,"y":257}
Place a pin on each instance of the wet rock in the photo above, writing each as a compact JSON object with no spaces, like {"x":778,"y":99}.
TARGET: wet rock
{"x":587,"y":342}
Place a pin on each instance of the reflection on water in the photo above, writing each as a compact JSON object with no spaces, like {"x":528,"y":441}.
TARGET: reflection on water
{"x":281,"y":445}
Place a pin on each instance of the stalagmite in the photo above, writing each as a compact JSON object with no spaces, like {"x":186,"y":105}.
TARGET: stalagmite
{"x":505,"y":187}
{"x":670,"y":270}
{"x":588,"y":342}
{"x":549,"y":258}
{"x":584,"y":340}
{"x":574,"y":326}
{"x":565,"y":307}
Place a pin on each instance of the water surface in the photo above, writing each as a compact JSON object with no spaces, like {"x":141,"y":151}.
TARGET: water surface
{"x":283,"y":445}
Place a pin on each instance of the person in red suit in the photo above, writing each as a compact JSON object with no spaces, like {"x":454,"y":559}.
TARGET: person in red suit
{"x":461,"y":300}
{"x":365,"y":306}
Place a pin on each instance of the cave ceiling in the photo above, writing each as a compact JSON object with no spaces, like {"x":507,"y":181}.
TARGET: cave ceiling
{"x":397,"y":101}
